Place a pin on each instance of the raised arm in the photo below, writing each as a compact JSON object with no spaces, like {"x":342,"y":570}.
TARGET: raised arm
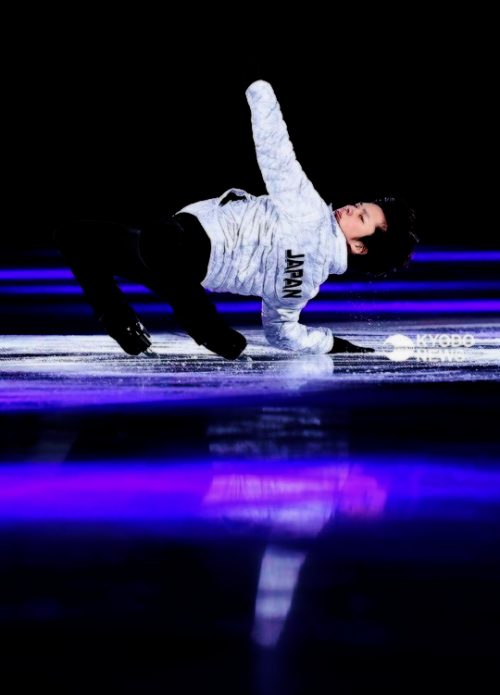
{"x":285,"y":180}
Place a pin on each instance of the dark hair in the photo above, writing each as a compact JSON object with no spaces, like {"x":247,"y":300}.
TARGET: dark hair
{"x":389,"y":249}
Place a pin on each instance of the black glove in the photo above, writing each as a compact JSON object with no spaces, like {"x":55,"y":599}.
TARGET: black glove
{"x":226,"y":342}
{"x":340,"y":345}
{"x":122,"y":325}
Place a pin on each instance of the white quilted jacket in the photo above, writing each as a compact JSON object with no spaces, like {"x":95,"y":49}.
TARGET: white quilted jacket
{"x":280,"y":247}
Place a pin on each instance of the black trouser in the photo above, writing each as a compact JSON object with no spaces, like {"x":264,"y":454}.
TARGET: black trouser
{"x":169,"y":257}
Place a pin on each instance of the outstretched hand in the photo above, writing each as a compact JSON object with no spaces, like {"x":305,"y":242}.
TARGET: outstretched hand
{"x":342,"y":346}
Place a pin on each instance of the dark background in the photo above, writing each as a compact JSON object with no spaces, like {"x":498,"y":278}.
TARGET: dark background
{"x":129,"y":121}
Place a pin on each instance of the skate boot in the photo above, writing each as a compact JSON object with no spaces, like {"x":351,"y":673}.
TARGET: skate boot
{"x":226,"y":342}
{"x":122,"y":324}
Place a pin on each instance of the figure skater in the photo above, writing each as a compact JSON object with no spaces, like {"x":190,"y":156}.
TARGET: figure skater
{"x":280,"y":247}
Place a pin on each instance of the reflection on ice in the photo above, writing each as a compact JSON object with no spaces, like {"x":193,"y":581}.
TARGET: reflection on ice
{"x":301,"y":501}
{"x":295,"y":501}
{"x":298,"y":501}
{"x":279,"y":433}
{"x":74,"y":371}
{"x":278,"y":577}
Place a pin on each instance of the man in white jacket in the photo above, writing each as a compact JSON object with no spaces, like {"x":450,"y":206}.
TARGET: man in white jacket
{"x":280,"y":247}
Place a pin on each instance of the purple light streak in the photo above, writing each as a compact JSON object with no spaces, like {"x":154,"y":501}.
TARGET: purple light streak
{"x":28,"y":275}
{"x":327,"y":288}
{"x":454,"y":306}
{"x":65,"y":289}
{"x":159,"y":492}
{"x":451,"y":306}
{"x":454,"y":256}
{"x":415,"y":286}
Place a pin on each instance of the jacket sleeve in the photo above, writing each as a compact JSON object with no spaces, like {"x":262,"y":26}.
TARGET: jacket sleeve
{"x":286,"y":183}
{"x":283,"y":330}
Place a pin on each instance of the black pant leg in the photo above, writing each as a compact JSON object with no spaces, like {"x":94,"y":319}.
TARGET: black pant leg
{"x":178,"y":258}
{"x":177,"y":247}
{"x":178,"y":251}
{"x":96,"y":251}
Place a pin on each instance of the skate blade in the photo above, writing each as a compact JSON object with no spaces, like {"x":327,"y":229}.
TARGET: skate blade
{"x":150,"y":354}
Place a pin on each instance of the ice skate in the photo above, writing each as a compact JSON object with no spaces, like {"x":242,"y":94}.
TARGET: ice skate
{"x":226,"y":342}
{"x":123,"y":326}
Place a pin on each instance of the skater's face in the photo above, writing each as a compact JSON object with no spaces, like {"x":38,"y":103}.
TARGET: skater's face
{"x":358,"y":221}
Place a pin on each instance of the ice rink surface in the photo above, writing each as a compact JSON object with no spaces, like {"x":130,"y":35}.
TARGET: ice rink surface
{"x":268,"y":524}
{"x":44,"y":371}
